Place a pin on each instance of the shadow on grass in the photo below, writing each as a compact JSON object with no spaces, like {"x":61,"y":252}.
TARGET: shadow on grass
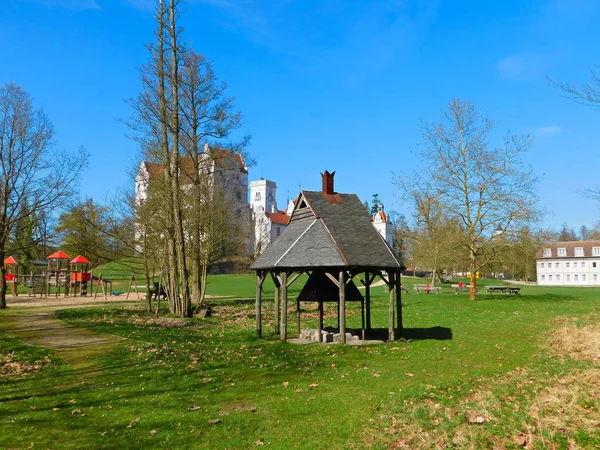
{"x":432,"y":333}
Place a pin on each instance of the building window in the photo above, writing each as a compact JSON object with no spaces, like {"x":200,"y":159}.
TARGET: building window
{"x":557,"y":277}
{"x":278,"y":231}
{"x":562,"y":251}
{"x":549,"y":277}
{"x":575,"y":277}
{"x":542,"y":265}
{"x":594,"y":264}
{"x":567,"y":265}
{"x":595,"y":277}
{"x":583,"y":277}
{"x":582,"y":263}
{"x":579,"y":251}
{"x":568,"y":277}
{"x":547,"y":252}
{"x":543,"y":277}
{"x":575,"y":264}
{"x":557,"y":265}
{"x":595,"y":251}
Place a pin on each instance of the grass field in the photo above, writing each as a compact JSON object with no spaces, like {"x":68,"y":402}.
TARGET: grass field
{"x":504,"y":372}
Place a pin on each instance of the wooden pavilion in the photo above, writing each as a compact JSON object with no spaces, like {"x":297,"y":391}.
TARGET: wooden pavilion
{"x":331,"y":238}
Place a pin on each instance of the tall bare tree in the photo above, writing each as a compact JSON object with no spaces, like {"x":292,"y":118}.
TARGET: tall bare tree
{"x":30,"y":168}
{"x":180,"y":109}
{"x":483,"y":187}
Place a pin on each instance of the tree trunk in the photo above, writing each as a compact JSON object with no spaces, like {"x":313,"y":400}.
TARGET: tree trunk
{"x":473,"y":288}
{"x":3,"y":280}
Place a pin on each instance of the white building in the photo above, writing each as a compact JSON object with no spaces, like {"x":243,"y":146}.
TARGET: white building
{"x":575,"y":263}
{"x":268,"y":221}
{"x":382,"y":224}
{"x":228,"y":170}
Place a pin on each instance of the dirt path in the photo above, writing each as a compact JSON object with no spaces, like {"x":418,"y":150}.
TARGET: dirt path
{"x":77,"y":347}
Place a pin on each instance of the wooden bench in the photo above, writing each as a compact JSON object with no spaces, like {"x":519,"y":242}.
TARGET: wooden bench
{"x":508,"y":290}
{"x":421,"y":287}
{"x":467,"y":287}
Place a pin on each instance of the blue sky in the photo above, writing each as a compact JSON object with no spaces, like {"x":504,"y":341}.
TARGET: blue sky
{"x":332,"y":84}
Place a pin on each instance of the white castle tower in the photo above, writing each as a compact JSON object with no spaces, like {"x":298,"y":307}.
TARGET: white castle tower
{"x":382,"y":224}
{"x":262,"y":196}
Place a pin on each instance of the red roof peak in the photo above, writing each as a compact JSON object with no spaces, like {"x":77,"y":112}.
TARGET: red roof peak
{"x":79,"y":260}
{"x":58,"y":255}
{"x":10,"y":261}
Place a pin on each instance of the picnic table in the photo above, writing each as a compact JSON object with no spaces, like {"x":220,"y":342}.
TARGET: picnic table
{"x":422,"y":287}
{"x":509,"y":290}
{"x":465,"y":287}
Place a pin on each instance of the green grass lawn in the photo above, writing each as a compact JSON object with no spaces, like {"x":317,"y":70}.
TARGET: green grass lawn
{"x":473,"y":373}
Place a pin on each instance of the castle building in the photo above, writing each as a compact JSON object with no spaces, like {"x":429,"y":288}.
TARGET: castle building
{"x":227,"y":169}
{"x":383,"y":225}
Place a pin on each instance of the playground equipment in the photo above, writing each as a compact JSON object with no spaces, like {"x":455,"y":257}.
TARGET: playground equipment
{"x":79,"y":275}
{"x":56,"y":276}
{"x":12,"y":273}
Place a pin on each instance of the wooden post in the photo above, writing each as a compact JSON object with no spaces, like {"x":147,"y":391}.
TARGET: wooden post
{"x":391,"y":310}
{"x":298,"y":316}
{"x":342,"y":310}
{"x":130,"y":284}
{"x":259,"y":281}
{"x":362,"y":318}
{"x":284,"y":307}
{"x":277,"y":303}
{"x":400,"y":326}
{"x":320,"y":320}
{"x":97,"y":286}
{"x":368,"y":298}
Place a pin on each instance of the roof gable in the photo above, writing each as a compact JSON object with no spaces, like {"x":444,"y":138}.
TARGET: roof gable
{"x":327,"y":230}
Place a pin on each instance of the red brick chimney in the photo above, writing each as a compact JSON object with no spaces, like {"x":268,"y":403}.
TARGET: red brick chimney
{"x":328,"y":182}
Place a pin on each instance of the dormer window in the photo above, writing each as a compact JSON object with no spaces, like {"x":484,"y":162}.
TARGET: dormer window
{"x":547,"y":252}
{"x":562,"y":251}
{"x":579,"y":251}
{"x":595,"y":251}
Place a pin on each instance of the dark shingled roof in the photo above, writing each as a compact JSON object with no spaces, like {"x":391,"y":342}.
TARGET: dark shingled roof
{"x":329,"y":231}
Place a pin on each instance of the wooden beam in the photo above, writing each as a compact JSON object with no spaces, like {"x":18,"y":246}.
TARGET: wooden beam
{"x":284,"y":307}
{"x":321,"y":321}
{"x":368,"y":298}
{"x":277,"y":302}
{"x":332,"y":278}
{"x":298,"y":275}
{"x":298,"y":316}
{"x":399,"y":325}
{"x":260,"y":278}
{"x":342,"y":310}
{"x":391,"y":308}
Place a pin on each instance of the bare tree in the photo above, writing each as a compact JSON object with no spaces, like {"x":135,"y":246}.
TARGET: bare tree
{"x":436,"y":237}
{"x":30,"y":169}
{"x":587,"y":94}
{"x":484,"y":188}
{"x":180,"y":110}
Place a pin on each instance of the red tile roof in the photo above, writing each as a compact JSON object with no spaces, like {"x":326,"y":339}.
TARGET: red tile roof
{"x":279,"y":218}
{"x":187,"y":164}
